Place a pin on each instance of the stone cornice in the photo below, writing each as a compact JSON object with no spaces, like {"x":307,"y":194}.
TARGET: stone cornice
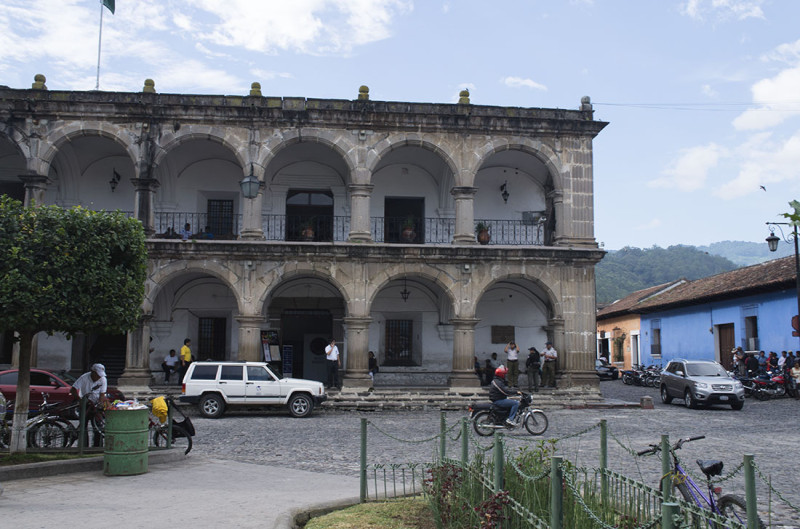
{"x":282,"y":251}
{"x":294,"y":112}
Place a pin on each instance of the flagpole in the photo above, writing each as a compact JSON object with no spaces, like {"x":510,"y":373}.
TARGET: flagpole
{"x":99,"y":42}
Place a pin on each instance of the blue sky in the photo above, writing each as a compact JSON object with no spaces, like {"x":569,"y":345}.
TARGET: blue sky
{"x":702,"y":96}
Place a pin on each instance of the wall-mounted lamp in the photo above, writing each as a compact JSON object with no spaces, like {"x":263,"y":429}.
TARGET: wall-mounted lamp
{"x":404,"y":293}
{"x":115,"y":178}
{"x":504,"y":191}
{"x":250,"y":185}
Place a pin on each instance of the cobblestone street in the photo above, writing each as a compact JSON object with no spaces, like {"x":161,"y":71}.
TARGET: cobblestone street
{"x":329,"y":440}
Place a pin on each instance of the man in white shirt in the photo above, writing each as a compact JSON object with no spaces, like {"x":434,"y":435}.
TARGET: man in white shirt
{"x":513,"y":363}
{"x":170,"y":365}
{"x":93,"y":385}
{"x":334,"y":363}
{"x":549,"y":367}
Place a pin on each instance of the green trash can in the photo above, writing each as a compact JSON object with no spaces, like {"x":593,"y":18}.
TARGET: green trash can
{"x":126,"y":442}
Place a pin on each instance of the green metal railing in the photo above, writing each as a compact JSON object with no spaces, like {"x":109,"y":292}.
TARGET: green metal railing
{"x":490,"y":487}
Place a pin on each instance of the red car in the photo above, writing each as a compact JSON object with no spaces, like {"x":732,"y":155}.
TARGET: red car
{"x":57,"y":387}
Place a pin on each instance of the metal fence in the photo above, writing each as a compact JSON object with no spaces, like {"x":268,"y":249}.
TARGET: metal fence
{"x":492,"y":486}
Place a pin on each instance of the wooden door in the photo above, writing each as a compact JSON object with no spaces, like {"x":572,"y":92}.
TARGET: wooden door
{"x":727,"y":341}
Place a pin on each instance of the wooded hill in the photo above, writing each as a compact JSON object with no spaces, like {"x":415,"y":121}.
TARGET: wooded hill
{"x":627,"y":270}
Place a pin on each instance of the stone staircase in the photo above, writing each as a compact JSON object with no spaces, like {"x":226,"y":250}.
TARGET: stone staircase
{"x":421,"y":398}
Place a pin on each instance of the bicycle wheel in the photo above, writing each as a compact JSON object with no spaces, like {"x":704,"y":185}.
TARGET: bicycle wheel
{"x":48,"y":434}
{"x":734,"y":507}
{"x":180,"y":438}
{"x":70,"y":431}
{"x":536,"y":422}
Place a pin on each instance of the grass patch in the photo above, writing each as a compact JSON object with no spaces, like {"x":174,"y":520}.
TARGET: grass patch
{"x":19,"y":459}
{"x":412,"y":513}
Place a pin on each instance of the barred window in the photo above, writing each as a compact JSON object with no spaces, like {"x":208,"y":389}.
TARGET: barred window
{"x":399,"y":340}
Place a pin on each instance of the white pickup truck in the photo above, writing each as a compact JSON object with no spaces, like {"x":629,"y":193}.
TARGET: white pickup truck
{"x":213,"y":386}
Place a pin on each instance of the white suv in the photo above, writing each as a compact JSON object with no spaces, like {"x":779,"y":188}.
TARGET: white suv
{"x":216,"y":385}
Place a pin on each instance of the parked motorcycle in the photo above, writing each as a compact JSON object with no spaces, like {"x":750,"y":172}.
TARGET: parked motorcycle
{"x":769,"y":386}
{"x":486,"y":417}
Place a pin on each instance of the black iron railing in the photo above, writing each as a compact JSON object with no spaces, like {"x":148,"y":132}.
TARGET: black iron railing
{"x":332,"y":228}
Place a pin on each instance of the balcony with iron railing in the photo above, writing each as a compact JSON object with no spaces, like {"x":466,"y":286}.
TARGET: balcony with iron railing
{"x":334,"y":228}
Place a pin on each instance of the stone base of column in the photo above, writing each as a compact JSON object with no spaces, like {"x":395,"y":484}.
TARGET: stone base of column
{"x":356,"y":382}
{"x":464,"y":380}
{"x":134,"y":381}
{"x":359,"y":236}
{"x":464,"y":239}
{"x":252,"y":235}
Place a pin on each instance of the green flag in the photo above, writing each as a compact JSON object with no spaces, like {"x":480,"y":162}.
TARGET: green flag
{"x":110,"y":5}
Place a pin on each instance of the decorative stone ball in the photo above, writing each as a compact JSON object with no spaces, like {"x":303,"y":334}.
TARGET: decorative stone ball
{"x":363,"y":92}
{"x":149,"y":86}
{"x":463,"y":97}
{"x":255,"y":89}
{"x":38,"y":82}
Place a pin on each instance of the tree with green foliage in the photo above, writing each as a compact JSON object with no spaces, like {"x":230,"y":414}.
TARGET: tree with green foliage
{"x":630,"y":269}
{"x":65,"y":270}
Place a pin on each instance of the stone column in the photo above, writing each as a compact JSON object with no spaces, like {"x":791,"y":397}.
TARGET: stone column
{"x":136,"y":377}
{"x":463,"y":374}
{"x":143,"y":207}
{"x":252,"y":228}
{"x":356,"y":367}
{"x":465,"y":215}
{"x":360,"y":195}
{"x":250,"y":349}
{"x":556,"y":221}
{"x":35,"y":187}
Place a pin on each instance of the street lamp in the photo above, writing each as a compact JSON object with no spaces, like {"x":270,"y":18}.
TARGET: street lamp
{"x":773,"y":241}
{"x":250,"y":185}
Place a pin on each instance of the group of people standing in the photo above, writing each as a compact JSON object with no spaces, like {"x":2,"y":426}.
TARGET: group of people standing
{"x":539,"y":366}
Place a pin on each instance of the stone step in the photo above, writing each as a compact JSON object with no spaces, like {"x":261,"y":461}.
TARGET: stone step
{"x":420,"y":398}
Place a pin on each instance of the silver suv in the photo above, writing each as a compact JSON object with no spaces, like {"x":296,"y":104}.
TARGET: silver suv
{"x":213,"y":386}
{"x":700,"y":382}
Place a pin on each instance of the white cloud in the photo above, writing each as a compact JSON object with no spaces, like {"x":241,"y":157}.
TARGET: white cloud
{"x":723,"y":9}
{"x":707,"y":90}
{"x":268,"y":75}
{"x":778,"y":99}
{"x":690,"y":171}
{"x":519,"y":82}
{"x":765,"y":161}
{"x":270,"y":26}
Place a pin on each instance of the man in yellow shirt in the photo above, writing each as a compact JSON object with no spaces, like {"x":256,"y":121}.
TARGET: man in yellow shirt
{"x":186,"y":357}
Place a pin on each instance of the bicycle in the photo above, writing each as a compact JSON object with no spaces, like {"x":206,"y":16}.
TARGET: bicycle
{"x":729,"y":506}
{"x":182,"y":431}
{"x":44,"y":430}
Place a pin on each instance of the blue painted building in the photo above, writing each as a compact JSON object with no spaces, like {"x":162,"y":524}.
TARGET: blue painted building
{"x":751,"y":307}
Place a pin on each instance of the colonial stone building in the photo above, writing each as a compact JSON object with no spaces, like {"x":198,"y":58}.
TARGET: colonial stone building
{"x":312,"y":218}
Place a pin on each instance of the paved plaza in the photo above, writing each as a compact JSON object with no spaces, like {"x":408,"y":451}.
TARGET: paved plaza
{"x":251,"y":465}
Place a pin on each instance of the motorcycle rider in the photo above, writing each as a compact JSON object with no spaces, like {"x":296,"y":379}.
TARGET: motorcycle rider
{"x":499,"y":393}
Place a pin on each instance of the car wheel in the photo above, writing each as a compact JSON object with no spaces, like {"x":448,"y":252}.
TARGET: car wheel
{"x":665,"y":398}
{"x":688,"y":399}
{"x":738,"y":405}
{"x":212,"y":405}
{"x":301,"y":405}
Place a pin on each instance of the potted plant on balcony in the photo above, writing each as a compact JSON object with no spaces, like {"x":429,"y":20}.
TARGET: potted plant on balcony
{"x":409,"y":234}
{"x":482,"y":232}
{"x":307,"y":230}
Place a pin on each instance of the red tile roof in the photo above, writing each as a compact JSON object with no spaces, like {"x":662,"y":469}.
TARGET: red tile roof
{"x":778,"y":274}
